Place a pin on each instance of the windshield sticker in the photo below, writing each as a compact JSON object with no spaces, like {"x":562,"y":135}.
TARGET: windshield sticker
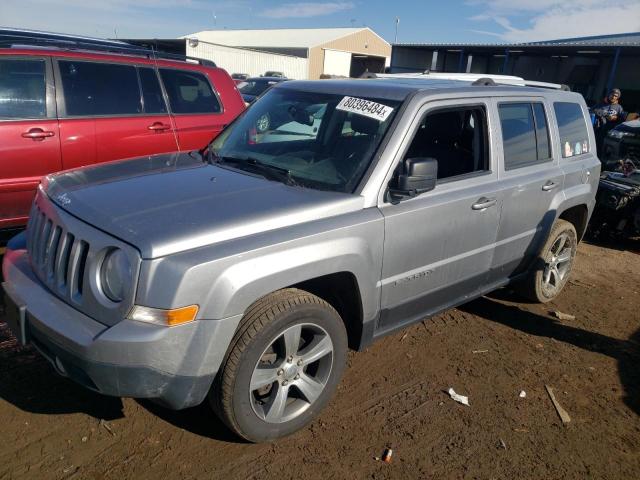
{"x":365,"y":107}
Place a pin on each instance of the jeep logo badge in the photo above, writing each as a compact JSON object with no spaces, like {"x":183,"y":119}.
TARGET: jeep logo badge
{"x":63,"y":199}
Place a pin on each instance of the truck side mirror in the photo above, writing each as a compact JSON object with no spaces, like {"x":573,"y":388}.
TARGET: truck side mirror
{"x":418,"y":176}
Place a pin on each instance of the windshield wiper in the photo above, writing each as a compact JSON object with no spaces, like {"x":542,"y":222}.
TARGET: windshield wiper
{"x":268,"y":171}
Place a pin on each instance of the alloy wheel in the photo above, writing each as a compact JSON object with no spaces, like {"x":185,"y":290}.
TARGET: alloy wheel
{"x":291,"y":373}
{"x":558,"y":264}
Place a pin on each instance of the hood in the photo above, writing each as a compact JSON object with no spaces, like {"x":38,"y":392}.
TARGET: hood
{"x":165,"y":204}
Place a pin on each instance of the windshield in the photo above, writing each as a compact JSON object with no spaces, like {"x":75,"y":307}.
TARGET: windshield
{"x":322,"y":141}
{"x":255,"y":87}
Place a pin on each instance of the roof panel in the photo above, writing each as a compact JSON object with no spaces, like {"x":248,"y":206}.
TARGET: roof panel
{"x":618,"y":40}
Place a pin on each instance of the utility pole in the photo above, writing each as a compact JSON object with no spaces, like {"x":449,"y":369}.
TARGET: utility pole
{"x":397,"y":23}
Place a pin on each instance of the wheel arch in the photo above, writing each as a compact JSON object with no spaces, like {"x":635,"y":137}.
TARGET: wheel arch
{"x":341,"y":291}
{"x":578,"y":216}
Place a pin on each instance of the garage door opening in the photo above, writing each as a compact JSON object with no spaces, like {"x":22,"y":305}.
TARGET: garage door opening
{"x":365,"y":63}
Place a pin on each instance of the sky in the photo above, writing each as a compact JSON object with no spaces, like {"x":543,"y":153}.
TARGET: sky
{"x":450,"y":21}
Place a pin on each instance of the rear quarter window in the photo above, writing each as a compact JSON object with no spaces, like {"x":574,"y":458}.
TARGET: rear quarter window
{"x":189,"y":92}
{"x":572,"y":128}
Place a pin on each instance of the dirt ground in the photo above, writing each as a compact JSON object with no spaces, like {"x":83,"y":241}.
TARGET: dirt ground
{"x":392,"y":395}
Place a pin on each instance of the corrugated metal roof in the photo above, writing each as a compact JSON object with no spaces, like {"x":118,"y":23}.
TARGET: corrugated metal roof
{"x":278,"y":38}
{"x":618,"y":40}
{"x":614,"y":39}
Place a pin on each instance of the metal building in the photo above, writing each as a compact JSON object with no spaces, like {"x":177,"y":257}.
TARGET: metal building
{"x":589,"y":65}
{"x":297,"y":52}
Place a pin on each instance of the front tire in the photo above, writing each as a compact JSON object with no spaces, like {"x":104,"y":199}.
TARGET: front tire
{"x":554,"y":264}
{"x":283,"y":366}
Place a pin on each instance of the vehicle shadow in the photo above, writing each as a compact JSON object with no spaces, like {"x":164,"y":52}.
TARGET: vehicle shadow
{"x":30,"y":383}
{"x":621,"y":244}
{"x":626,"y":352}
{"x":200,"y":420}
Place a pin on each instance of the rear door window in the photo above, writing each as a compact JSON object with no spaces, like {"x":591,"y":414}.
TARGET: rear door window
{"x":189,"y":92}
{"x":23,"y":90}
{"x":151,"y":91}
{"x":572,"y":127}
{"x":95,"y":89}
{"x":525,"y":136}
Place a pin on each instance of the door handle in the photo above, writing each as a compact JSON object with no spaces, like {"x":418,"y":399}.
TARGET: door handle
{"x":37,"y":134}
{"x":158,"y":127}
{"x":550,"y":185}
{"x":484,"y":203}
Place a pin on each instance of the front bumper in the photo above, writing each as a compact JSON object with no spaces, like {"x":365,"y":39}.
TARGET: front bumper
{"x":175,"y":366}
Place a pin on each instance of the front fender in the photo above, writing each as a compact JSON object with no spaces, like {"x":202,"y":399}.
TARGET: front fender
{"x":225,"y":279}
{"x":244,"y":282}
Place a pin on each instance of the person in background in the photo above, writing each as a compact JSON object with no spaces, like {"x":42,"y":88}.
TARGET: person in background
{"x":607,"y":115}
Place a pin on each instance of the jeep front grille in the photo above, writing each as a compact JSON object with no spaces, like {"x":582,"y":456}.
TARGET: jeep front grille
{"x":57,"y":256}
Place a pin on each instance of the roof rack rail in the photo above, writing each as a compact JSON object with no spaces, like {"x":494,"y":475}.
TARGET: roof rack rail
{"x":480,"y":80}
{"x":554,"y":86}
{"x":484,"y":82}
{"x":10,"y":38}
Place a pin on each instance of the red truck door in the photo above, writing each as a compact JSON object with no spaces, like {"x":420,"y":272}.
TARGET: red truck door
{"x":148,"y":131}
{"x":29,"y":136}
{"x":197,"y":107}
{"x":125,"y":105}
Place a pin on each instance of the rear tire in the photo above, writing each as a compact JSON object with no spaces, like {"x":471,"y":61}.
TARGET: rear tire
{"x":283,"y":366}
{"x":552,"y":266}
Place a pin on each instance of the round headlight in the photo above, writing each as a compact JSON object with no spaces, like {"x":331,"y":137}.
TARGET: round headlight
{"x":115,"y":275}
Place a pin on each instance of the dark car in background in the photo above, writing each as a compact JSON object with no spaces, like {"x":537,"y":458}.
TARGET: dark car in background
{"x":617,"y":210}
{"x":239,"y":77}
{"x":253,"y":87}
{"x":622,"y":143}
{"x":66,"y":102}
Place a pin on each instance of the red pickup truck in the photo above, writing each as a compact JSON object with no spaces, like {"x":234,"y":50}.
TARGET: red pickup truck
{"x":62,"y":108}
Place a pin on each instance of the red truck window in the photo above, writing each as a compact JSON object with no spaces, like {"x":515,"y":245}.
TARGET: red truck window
{"x":151,"y":92}
{"x":99,"y":88}
{"x":189,"y":92}
{"x":22,"y":89}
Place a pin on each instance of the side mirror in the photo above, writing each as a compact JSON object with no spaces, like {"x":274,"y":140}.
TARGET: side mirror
{"x":418,"y":176}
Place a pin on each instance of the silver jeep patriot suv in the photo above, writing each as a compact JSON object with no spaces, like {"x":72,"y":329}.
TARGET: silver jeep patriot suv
{"x":242,"y":274}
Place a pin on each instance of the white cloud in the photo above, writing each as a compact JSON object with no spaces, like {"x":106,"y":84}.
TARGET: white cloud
{"x":305,"y":10}
{"x":522,"y":6}
{"x":102,"y":18}
{"x":553,"y":19}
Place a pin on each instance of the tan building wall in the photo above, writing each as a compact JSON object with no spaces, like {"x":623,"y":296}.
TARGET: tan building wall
{"x":364,"y":42}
